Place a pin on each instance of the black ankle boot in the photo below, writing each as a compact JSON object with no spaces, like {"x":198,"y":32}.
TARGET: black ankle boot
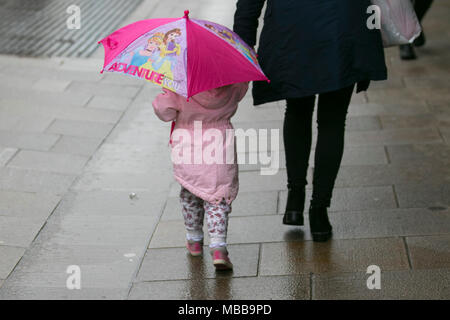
{"x":407,"y":52}
{"x":420,"y":41}
{"x":319,"y":224}
{"x":294,"y":207}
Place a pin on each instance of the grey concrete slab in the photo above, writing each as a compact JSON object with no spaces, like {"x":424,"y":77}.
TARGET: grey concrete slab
{"x":6,"y":154}
{"x":40,"y":98}
{"x":19,"y":231}
{"x":18,"y":292}
{"x":113,"y":103}
{"x":429,"y":252}
{"x":410,"y":121}
{"x":112,"y":157}
{"x":102,"y":89}
{"x":34,"y":181}
{"x":362,"y":123}
{"x":111,"y":203}
{"x":51,"y":85}
{"x":33,"y":124}
{"x":158,"y":264}
{"x":393,"y":136}
{"x":32,"y":141}
{"x":426,"y":153}
{"x":411,"y":173}
{"x":100,"y":266}
{"x":89,"y":229}
{"x":254,"y":182}
{"x":48,"y":161}
{"x":334,"y":256}
{"x":9,"y":256}
{"x":423,"y":195}
{"x":140,"y":112}
{"x":386,"y":108}
{"x":18,"y":107}
{"x":76,"y":145}
{"x":87,"y":129}
{"x":395,"y":285}
{"x":124,"y":181}
{"x":387,"y":223}
{"x":138,"y":133}
{"x":352,"y":199}
{"x":27,"y":204}
{"x":259,"y":288}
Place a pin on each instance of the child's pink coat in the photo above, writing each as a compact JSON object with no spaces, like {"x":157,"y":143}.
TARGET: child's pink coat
{"x":214,"y":108}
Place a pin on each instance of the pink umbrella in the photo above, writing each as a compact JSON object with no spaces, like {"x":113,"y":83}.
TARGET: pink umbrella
{"x":184,"y":55}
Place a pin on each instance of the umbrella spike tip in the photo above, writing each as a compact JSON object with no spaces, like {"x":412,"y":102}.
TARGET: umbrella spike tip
{"x":186,"y":13}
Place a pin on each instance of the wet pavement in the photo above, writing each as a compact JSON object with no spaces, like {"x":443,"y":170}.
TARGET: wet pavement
{"x":74,"y":144}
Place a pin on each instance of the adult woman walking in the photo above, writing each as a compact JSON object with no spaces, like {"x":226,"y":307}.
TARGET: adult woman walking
{"x":407,"y":51}
{"x":310,"y":47}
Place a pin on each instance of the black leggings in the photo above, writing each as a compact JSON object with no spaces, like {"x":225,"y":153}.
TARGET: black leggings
{"x":421,"y":7}
{"x":331,"y":115}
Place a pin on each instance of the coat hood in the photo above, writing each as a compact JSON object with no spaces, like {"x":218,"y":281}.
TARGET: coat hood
{"x":214,"y":98}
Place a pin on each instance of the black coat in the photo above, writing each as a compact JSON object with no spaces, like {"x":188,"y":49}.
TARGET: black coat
{"x":311,"y":46}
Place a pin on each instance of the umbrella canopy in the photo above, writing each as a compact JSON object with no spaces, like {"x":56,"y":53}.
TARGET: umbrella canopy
{"x":184,"y":55}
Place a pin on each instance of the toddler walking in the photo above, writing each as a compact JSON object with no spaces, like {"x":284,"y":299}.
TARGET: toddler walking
{"x":207,"y":187}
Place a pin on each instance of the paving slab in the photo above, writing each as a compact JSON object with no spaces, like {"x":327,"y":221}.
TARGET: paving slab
{"x":32,"y":141}
{"x":334,"y":256}
{"x":102,"y":89}
{"x":48,"y":161}
{"x":6,"y":154}
{"x":34,"y":181}
{"x":110,"y":203}
{"x":40,"y":98}
{"x":52,"y":85}
{"x":50,"y":293}
{"x":395,"y":285}
{"x":258,"y":288}
{"x":133,"y":158}
{"x":158,"y":264}
{"x":384,"y":108}
{"x":112,"y":103}
{"x":9,"y":256}
{"x":393,"y":136}
{"x":410,"y":121}
{"x":76,"y":145}
{"x":32,"y":124}
{"x":87,"y":129}
{"x":426,"y":153}
{"x":105,"y":267}
{"x":27,"y":204}
{"x":19,"y":231}
{"x":352,"y":199}
{"x":429,"y":252}
{"x":408,"y":173}
{"x":18,"y":107}
{"x":89,"y":229}
{"x":423,"y":195}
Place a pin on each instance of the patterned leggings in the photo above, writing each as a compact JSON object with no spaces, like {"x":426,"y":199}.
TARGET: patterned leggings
{"x":194,"y":209}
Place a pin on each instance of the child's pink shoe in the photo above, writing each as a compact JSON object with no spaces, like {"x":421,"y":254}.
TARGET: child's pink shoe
{"x":195,"y":248}
{"x":220,"y":258}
